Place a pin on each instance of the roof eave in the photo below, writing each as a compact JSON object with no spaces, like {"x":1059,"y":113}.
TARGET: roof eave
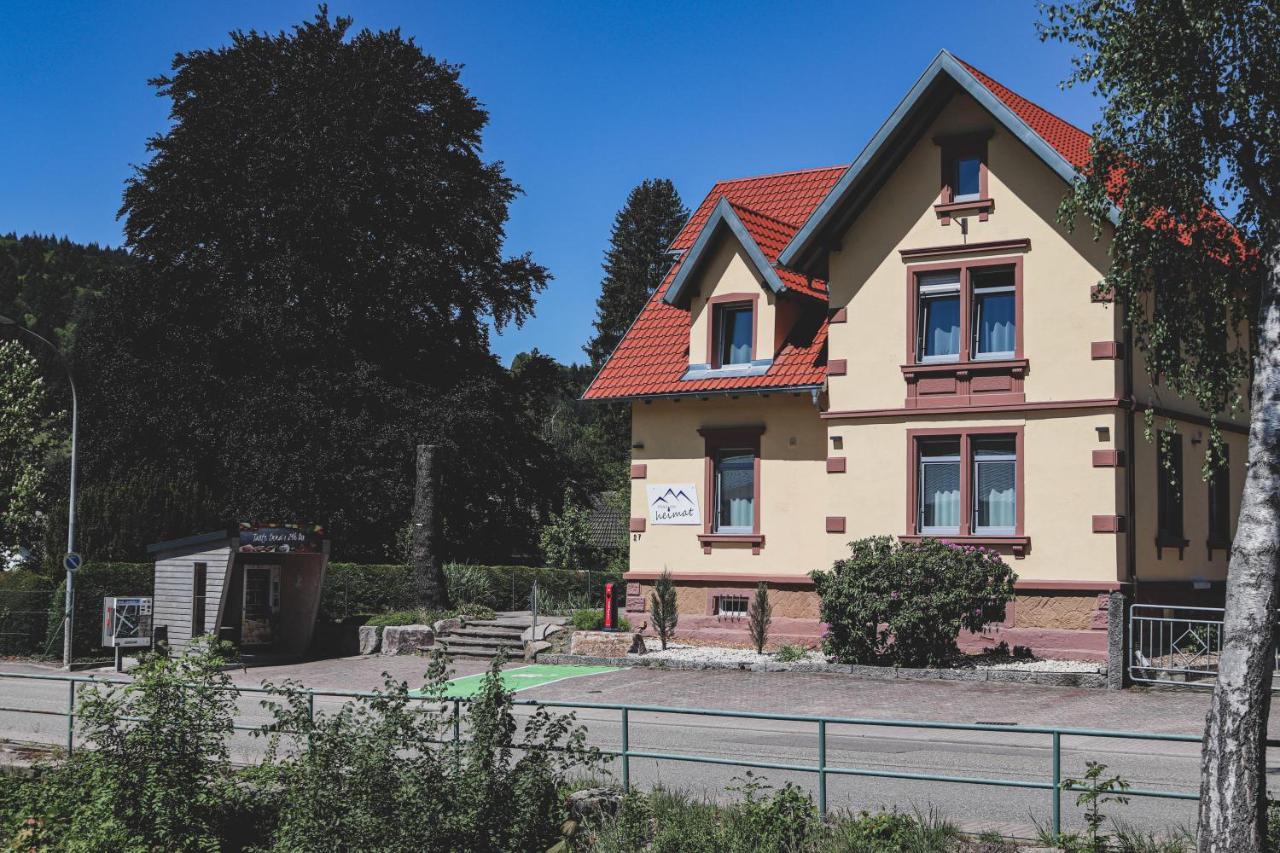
{"x":718,"y":392}
{"x":807,"y":250}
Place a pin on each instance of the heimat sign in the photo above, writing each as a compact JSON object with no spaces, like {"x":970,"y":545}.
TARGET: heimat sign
{"x":674,"y":503}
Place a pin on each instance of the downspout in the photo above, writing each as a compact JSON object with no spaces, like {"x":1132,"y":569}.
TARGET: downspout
{"x":1130,"y":475}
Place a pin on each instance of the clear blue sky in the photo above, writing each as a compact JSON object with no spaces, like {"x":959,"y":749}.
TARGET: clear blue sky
{"x":586,"y":100}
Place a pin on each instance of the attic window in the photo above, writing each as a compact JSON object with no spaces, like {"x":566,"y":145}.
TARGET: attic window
{"x":964,"y":175}
{"x":734,"y":330}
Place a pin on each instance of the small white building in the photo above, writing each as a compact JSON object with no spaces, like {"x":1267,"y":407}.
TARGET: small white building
{"x":257,"y":587}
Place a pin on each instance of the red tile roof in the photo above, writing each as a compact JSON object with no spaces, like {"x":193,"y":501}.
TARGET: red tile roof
{"x":1065,"y":138}
{"x":654,"y":353}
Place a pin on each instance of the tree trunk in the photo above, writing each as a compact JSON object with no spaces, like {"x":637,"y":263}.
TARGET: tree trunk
{"x":1233,"y":782}
{"x":428,"y":573}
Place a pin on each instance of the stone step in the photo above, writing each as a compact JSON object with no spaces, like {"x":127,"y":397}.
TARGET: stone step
{"x":456,"y":640}
{"x":486,"y":631}
{"x":479,"y":652}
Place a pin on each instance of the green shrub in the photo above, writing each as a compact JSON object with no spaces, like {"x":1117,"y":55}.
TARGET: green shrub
{"x":155,"y":773}
{"x":894,"y":832}
{"x":789,"y":653}
{"x":373,"y":774}
{"x":904,"y":604}
{"x":427,"y":617}
{"x":664,"y":612}
{"x":760,"y":618}
{"x":592,"y":619}
{"x":94,"y":582}
{"x":471,"y":583}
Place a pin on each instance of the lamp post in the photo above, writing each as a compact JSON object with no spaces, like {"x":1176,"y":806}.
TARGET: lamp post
{"x":68,"y":616}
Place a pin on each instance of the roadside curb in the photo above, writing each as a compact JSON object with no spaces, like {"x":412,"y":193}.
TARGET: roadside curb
{"x":878,"y":673}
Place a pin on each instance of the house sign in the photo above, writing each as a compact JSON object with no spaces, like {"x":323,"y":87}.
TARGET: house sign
{"x":673,"y":503}
{"x":275,"y":538}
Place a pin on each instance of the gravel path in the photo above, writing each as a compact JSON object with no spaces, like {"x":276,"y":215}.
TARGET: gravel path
{"x":716,"y":654}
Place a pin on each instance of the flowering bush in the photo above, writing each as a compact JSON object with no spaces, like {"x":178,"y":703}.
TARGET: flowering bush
{"x":904,"y":604}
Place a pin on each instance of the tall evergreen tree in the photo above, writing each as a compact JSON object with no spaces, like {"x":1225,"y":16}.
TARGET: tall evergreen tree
{"x":1188,"y":128}
{"x":636,"y":261}
{"x":318,"y":257}
{"x":634,"y":266}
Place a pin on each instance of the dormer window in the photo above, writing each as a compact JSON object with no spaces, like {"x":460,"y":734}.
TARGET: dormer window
{"x":734,"y":334}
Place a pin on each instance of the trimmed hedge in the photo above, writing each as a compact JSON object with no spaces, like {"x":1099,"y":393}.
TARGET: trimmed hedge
{"x":24,"y":604}
{"x":95,"y":581}
{"x":352,"y":589}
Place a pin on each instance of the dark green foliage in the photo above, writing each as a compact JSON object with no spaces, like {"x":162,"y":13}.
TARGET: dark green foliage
{"x":95,"y":581}
{"x":45,"y":282}
{"x":635,"y":261}
{"x":117,"y":518}
{"x":24,"y":612}
{"x":158,"y":780}
{"x":904,"y":604}
{"x":664,"y":612}
{"x":634,"y":266}
{"x":374,"y":772}
{"x":760,"y":617}
{"x":765,"y":820}
{"x":592,"y":619}
{"x":351,"y":588}
{"x":318,"y":262}
{"x":427,"y":617}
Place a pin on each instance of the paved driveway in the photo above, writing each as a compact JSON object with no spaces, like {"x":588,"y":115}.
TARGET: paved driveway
{"x":1150,"y":765}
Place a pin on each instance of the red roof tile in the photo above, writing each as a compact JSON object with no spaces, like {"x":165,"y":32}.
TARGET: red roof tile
{"x":654,"y":353}
{"x":1065,"y":138}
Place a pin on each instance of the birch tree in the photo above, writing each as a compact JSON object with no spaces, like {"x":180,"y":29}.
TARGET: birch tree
{"x":1188,"y":149}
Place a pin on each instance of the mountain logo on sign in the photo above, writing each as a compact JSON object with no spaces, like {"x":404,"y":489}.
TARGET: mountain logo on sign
{"x":671,"y":496}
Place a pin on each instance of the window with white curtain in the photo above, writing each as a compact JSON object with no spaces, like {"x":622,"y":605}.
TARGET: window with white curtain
{"x":939,"y":509}
{"x":995,"y":496}
{"x":735,"y":486}
{"x":994,"y":314}
{"x":733,"y":329}
{"x":939,"y":317}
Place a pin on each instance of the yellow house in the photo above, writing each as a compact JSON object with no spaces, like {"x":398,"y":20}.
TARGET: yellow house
{"x":911,"y":345}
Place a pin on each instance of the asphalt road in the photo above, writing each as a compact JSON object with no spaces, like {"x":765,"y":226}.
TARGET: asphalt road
{"x":992,"y":755}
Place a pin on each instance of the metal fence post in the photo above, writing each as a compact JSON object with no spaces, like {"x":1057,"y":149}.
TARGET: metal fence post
{"x":626,"y":753}
{"x":1057,"y":784}
{"x":822,"y":768}
{"x":71,"y":716}
{"x":457,"y":723}
{"x":311,"y":706}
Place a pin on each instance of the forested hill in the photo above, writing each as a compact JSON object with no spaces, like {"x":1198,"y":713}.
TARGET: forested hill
{"x":46,"y":281}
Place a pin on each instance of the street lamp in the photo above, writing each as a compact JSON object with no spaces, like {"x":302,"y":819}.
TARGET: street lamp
{"x":68,"y":616}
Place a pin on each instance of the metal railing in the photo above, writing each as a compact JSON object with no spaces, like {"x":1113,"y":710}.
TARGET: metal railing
{"x":1053,"y":783}
{"x":1175,"y":644}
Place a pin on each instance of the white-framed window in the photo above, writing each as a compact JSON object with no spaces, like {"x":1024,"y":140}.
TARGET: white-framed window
{"x":939,"y":486}
{"x":995,"y":490}
{"x":732,"y":606}
{"x":734,"y":334}
{"x":735,"y":490}
{"x":938,"y":336}
{"x":994,"y":313}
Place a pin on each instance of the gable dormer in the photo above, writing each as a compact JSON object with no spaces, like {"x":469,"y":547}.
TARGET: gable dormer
{"x":741,"y":310}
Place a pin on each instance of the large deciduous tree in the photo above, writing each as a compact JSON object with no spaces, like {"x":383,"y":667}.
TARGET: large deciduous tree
{"x":319,"y":248}
{"x":634,"y":265}
{"x":1191,"y":91}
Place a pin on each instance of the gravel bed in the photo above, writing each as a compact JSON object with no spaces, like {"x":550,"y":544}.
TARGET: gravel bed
{"x":715,"y":654}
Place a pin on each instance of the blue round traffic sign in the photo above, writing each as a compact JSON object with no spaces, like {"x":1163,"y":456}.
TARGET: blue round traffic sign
{"x":72,"y":561}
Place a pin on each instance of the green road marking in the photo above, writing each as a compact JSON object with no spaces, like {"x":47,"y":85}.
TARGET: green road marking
{"x":522,"y":678}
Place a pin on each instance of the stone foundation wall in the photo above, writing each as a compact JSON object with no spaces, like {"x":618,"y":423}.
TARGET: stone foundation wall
{"x":693,"y":598}
{"x":1064,"y":624}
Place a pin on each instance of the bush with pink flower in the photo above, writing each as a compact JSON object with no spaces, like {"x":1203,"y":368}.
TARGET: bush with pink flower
{"x":904,"y":603}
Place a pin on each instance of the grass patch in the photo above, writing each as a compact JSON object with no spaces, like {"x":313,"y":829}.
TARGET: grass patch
{"x":422,"y":616}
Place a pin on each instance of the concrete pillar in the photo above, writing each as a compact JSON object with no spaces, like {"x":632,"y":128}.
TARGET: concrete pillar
{"x":1117,"y":641}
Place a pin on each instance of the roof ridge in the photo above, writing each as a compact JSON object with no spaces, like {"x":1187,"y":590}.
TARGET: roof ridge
{"x":760,"y":213}
{"x":978,"y":71}
{"x":787,"y":173}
